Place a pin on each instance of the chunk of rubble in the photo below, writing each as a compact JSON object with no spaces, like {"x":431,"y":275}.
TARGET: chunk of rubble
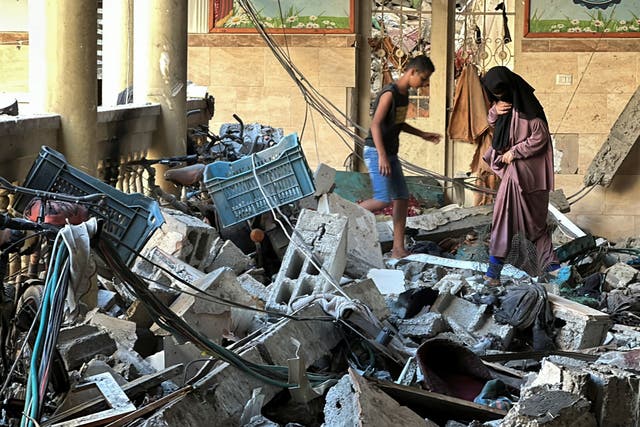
{"x":355,"y":402}
{"x":554,"y":408}
{"x":319,"y":239}
{"x":363,"y":245}
{"x":613,"y":392}
{"x":619,"y":276}
{"x":215,"y":319}
{"x":585,"y":327}
{"x":425,"y":325}
{"x":183,"y":236}
{"x":324,"y":179}
{"x":229,"y":255}
{"x":475,"y":319}
{"x":79,"y":344}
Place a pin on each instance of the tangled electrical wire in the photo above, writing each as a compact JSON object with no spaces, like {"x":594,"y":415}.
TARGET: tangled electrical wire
{"x":271,"y":374}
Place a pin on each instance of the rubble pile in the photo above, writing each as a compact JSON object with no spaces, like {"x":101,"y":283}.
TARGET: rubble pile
{"x":340,"y":335}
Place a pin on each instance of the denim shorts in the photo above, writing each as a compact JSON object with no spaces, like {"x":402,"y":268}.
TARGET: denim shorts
{"x":386,"y":188}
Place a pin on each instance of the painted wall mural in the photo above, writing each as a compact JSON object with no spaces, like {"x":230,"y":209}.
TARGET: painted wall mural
{"x":296,"y":15}
{"x":582,"y":18}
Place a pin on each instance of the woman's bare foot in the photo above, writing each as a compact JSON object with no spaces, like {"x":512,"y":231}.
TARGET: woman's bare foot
{"x":399,"y":253}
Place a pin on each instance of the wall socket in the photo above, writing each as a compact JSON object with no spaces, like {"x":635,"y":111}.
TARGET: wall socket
{"x":564,"y":79}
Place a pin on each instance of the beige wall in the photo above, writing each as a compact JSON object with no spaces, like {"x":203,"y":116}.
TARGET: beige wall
{"x":14,"y":63}
{"x":605,"y":74}
{"x":246,"y":79}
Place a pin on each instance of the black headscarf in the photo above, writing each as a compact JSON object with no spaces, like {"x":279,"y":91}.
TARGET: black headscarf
{"x":514,"y":89}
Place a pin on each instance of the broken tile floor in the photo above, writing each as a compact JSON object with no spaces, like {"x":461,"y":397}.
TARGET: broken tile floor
{"x":339,"y":335}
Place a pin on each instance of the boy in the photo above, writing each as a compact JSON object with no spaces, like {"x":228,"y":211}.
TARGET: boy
{"x":381,"y":147}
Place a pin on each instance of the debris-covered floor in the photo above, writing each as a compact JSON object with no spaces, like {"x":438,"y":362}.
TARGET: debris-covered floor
{"x":313,"y":326}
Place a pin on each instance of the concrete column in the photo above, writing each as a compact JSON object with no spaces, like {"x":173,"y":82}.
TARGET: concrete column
{"x":441,"y":92}
{"x":160,"y":69}
{"x":363,"y":73}
{"x":117,"y":48}
{"x":63,"y":72}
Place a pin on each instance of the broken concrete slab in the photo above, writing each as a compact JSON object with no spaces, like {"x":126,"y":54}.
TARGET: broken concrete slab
{"x":353,"y":402}
{"x":614,"y":392}
{"x":475,"y":319}
{"x":183,"y":236}
{"x":79,"y":344}
{"x":319,"y":240}
{"x":624,"y":134}
{"x":123,"y":332}
{"x":481,"y":267}
{"x":229,"y":255}
{"x":437,"y":218}
{"x":585,"y":327}
{"x":425,"y":325}
{"x":554,"y":408}
{"x":363,"y":244}
{"x":366,"y":292}
{"x":254,"y":287}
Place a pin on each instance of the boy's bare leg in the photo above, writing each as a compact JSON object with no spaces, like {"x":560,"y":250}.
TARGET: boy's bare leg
{"x":400,"y":207}
{"x":373,"y":205}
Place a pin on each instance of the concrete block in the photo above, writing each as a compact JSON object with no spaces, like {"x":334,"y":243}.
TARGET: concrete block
{"x":585,"y":327}
{"x":388,"y":281}
{"x":80,"y":344}
{"x":230,"y":256}
{"x":253,"y":286}
{"x":213,"y":319}
{"x":473,"y":318}
{"x":324,"y":178}
{"x":561,"y":373}
{"x":363,"y":245}
{"x":322,"y":236}
{"x":170,"y":263}
{"x":122,"y":331}
{"x":614,"y":392}
{"x":619,"y":276}
{"x":554,"y":408}
{"x":425,"y":325}
{"x":617,"y":396}
{"x":353,"y":402}
{"x":366,"y":292}
{"x":183,"y":236}
{"x":451,"y":283}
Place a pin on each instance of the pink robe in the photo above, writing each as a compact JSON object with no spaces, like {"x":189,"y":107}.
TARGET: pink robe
{"x":521,"y":205}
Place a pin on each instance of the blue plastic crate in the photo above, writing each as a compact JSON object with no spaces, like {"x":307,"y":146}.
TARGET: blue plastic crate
{"x":130,"y":219}
{"x":282,"y":172}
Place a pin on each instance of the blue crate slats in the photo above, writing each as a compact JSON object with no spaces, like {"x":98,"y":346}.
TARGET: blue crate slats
{"x":283,"y":174}
{"x":130,"y":219}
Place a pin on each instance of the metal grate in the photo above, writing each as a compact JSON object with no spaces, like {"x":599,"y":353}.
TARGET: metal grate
{"x":481,"y":38}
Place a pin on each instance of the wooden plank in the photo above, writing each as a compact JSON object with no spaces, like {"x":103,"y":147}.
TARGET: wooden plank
{"x":438,"y":407}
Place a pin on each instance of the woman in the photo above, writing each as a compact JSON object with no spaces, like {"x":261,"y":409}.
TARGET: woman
{"x":521,"y":154}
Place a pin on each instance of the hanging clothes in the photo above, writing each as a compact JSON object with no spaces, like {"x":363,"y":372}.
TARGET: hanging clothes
{"x":468,"y":122}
